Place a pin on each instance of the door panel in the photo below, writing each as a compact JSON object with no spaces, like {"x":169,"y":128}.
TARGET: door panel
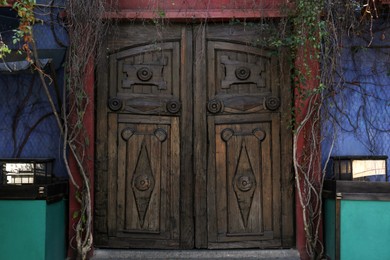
{"x":243,"y":178}
{"x":147,"y":165}
{"x":241,"y":190}
{"x":191,"y":141}
{"x":140,"y":142}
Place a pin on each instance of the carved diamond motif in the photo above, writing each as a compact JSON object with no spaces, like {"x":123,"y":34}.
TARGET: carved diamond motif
{"x":244,"y":184}
{"x":142,"y":183}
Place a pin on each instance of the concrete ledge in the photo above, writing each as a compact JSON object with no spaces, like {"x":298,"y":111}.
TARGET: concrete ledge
{"x":287,"y":254}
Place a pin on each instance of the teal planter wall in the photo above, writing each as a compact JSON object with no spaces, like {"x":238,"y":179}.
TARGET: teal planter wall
{"x":364,"y":229}
{"x":330,"y":227}
{"x":32,"y":229}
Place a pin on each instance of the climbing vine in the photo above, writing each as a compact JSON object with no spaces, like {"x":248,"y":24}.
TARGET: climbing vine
{"x":85,"y":26}
{"x":320,"y":32}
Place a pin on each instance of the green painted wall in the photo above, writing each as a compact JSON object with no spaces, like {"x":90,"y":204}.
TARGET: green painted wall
{"x":32,"y":229}
{"x":365,"y":230}
{"x":329,"y":227}
{"x":56,"y":223}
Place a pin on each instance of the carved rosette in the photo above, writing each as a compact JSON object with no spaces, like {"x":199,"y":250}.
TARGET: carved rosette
{"x":144,"y":74}
{"x":215,"y":106}
{"x":173,"y":106}
{"x":272,"y":103}
{"x":115,"y":104}
{"x":150,"y":73}
{"x":239,"y":72}
{"x":242,"y":73}
{"x":142,"y":183}
{"x":244,"y":184}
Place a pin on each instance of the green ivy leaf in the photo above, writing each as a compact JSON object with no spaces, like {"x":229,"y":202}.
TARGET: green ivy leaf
{"x":75,"y":214}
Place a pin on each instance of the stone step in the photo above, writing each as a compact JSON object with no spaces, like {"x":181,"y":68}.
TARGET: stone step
{"x":105,"y":254}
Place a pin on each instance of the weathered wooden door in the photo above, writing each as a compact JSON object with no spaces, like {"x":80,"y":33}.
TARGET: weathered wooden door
{"x":192,"y":142}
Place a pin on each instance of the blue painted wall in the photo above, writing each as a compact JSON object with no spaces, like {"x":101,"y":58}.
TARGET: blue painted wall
{"x":27,"y":126}
{"x":362,"y":107}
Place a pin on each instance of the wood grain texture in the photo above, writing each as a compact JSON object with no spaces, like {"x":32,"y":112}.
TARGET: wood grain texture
{"x":191,"y":153}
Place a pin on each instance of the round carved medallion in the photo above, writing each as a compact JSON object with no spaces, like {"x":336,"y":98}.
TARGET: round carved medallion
{"x":244,"y":183}
{"x":115,"y":104}
{"x":243,"y":73}
{"x":272,"y":103}
{"x":173,"y":106}
{"x":144,"y":74}
{"x":214,"y":106}
{"x":142,"y":182}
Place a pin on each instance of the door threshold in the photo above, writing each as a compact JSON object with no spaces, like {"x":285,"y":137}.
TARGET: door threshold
{"x":287,"y":254}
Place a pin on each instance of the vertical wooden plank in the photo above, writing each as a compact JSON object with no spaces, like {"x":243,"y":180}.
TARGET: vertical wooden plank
{"x":276,"y":162}
{"x":156,"y":211}
{"x":255,"y":217}
{"x":174,"y":175}
{"x":186,"y":144}
{"x":200,"y":137}
{"x":122,"y":162}
{"x":234,"y":220}
{"x":130,"y":214}
{"x":112,"y":174}
{"x":267,"y":184}
{"x":287,"y":175}
{"x":165,"y":174}
{"x":113,"y":87}
{"x":181,"y":68}
{"x":101,"y":171}
{"x":215,"y":182}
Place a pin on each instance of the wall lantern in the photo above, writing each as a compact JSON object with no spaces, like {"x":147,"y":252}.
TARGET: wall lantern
{"x":22,"y":171}
{"x":30,"y":179}
{"x":359,"y":168}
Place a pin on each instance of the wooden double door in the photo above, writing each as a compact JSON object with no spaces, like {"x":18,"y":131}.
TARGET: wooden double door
{"x":193,"y":146}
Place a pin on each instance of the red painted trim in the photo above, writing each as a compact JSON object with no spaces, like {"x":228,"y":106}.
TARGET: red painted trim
{"x":305,"y":62}
{"x":89,"y":124}
{"x":199,"y":4}
{"x":190,"y":15}
{"x":199,"y":9}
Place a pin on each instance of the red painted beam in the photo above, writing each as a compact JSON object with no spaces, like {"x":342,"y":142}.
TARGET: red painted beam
{"x":190,"y":15}
{"x":199,"y":4}
{"x":204,"y":9}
